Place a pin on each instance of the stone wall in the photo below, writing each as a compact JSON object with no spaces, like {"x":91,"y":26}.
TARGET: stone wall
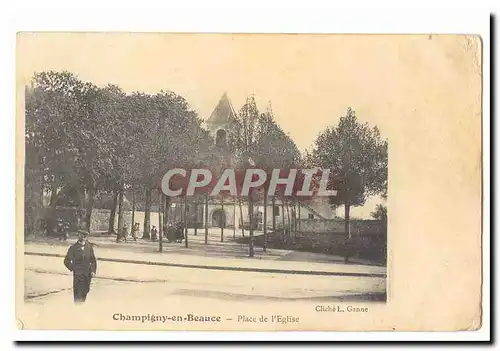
{"x":358,"y":227}
{"x":368,"y":238}
{"x":100,"y":217}
{"x":326,"y":239}
{"x":100,"y":220}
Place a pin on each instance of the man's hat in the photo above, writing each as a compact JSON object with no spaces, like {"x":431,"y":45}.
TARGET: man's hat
{"x":84,"y":232}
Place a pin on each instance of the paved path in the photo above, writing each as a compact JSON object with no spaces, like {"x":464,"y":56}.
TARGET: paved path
{"x":138,"y":290}
{"x":135,"y":279}
{"x":47,"y":276}
{"x":228,"y":255}
{"x":231,"y":247}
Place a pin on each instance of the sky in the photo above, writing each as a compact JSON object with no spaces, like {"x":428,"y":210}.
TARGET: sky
{"x":310,"y":80}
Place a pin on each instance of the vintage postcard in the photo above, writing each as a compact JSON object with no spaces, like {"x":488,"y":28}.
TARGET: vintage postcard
{"x":248,"y":182}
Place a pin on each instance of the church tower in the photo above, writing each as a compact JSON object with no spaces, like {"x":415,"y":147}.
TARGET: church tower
{"x":221,"y":119}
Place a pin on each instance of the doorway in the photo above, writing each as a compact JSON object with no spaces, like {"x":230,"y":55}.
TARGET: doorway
{"x":218,"y":218}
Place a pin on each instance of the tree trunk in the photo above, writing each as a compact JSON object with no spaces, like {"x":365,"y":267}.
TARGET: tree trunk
{"x":264,"y":248}
{"x":274,"y":213}
{"x":53,"y":195}
{"x":185,"y":223}
{"x":165,"y":209}
{"x":195,"y":217}
{"x":294,"y":217}
{"x":222,"y":220}
{"x":51,"y":220}
{"x":346,"y":219}
{"x":234,"y":219}
{"x":166,"y":213}
{"x":81,"y":209}
{"x":289,"y":222}
{"x":41,"y":193}
{"x":88,"y":210}
{"x":241,"y":219}
{"x":33,"y":206}
{"x":206,"y":218}
{"x":132,"y":227}
{"x":38,"y":215}
{"x":147,"y":215}
{"x":347,"y":245}
{"x":161,"y":207}
{"x":250,"y":220}
{"x":299,"y":215}
{"x":120,"y":216}
{"x":111,"y":227}
{"x":283,"y":236}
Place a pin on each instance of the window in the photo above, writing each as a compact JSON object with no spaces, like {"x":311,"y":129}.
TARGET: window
{"x":311,"y":216}
{"x":276,"y":211}
{"x":220,"y":139}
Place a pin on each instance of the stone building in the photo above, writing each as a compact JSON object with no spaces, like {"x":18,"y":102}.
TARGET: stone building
{"x":228,"y":212}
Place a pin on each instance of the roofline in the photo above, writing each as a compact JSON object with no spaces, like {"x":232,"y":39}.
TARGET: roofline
{"x":232,"y":110}
{"x":231,"y":105}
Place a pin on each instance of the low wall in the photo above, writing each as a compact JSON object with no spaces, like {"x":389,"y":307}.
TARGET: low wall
{"x":368,"y":238}
{"x":369,"y":246}
{"x":68,"y":214}
{"x":100,"y":219}
{"x":335,"y":239}
{"x":358,"y":227}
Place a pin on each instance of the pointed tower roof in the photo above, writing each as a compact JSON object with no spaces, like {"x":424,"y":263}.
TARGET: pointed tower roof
{"x":223,"y":112}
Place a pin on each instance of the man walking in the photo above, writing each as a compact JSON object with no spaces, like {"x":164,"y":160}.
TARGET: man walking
{"x":81,"y":260}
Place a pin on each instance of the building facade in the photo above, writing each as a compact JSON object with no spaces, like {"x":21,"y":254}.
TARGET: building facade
{"x":229,"y":212}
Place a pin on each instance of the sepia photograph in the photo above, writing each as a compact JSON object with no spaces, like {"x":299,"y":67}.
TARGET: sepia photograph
{"x":229,"y":181}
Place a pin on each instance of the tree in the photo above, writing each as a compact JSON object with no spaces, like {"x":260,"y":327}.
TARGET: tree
{"x":258,"y":137}
{"x":101,"y":144}
{"x":83,"y":141}
{"x":173,"y":137}
{"x":380,"y":213}
{"x":275,"y":150}
{"x":53,"y":106}
{"x":68,"y":129}
{"x":244,"y":144}
{"x":357,"y":158}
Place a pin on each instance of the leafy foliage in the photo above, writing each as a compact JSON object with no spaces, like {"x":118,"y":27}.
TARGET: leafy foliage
{"x":82,"y":140}
{"x":380,"y":213}
{"x":85,"y":142}
{"x":357,"y":155}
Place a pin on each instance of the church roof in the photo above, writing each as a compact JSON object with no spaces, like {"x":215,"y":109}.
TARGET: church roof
{"x":223,"y":112}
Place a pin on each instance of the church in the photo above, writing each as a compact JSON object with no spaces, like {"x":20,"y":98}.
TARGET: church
{"x":230,"y":213}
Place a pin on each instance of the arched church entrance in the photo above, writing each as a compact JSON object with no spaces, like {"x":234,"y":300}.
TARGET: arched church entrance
{"x":218,"y":218}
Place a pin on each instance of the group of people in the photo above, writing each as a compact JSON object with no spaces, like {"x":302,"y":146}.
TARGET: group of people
{"x":62,"y":229}
{"x":173,"y":232}
{"x":123,"y":233}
